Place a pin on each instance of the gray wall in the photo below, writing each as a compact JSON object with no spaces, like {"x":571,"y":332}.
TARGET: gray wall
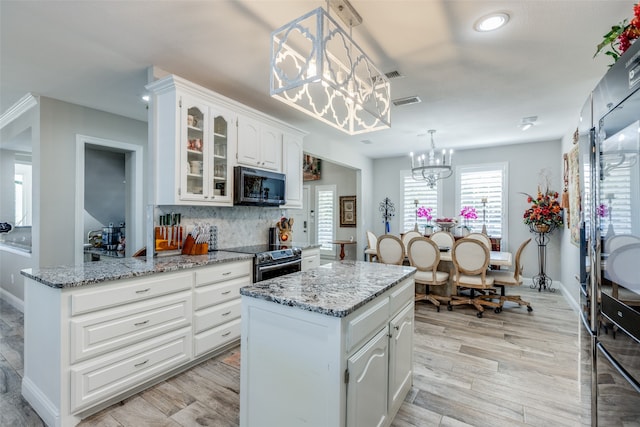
{"x":55,"y":125}
{"x":346,"y":181}
{"x":104,"y":186}
{"x":524,"y":164}
{"x":12,"y":262}
{"x":59,"y":124}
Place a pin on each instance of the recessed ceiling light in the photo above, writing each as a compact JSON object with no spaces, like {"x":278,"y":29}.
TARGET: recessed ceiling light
{"x":491,"y":22}
{"x":527,"y":122}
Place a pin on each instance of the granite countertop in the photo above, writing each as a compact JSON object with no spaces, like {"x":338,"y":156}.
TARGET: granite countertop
{"x":124,"y":268}
{"x":336,"y":289}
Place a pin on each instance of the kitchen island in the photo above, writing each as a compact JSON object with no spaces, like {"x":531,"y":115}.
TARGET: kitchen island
{"x":101,"y":331}
{"x":331,"y":346}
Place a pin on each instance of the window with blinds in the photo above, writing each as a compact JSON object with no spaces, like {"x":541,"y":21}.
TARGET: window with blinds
{"x":325,"y":218}
{"x":478,"y":182}
{"x":411,"y":191}
{"x":615,"y":194}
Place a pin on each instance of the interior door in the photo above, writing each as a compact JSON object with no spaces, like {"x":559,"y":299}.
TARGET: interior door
{"x":301,"y":226}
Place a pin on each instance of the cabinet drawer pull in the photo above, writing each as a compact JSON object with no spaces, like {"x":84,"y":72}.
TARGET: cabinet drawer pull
{"x":142,"y":291}
{"x":226,"y":292}
{"x":141,"y":323}
{"x":226,"y":274}
{"x":137,"y":365}
{"x":227,"y":313}
{"x":226,"y":333}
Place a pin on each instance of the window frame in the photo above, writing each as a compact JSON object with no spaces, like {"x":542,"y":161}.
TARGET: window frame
{"x":406,"y":173}
{"x":504,"y":168}
{"x":330,"y":249}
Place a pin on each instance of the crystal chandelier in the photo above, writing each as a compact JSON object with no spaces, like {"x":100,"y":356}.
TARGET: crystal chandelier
{"x":318,"y":69}
{"x":431,"y":167}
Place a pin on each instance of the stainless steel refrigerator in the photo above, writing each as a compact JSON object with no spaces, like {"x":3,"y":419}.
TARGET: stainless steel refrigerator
{"x":610,"y":244}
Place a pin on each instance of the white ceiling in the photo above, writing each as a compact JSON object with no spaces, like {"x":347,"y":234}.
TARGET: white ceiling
{"x":475,"y":87}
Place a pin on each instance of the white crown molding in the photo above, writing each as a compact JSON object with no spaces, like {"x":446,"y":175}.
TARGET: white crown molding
{"x":19,"y":108}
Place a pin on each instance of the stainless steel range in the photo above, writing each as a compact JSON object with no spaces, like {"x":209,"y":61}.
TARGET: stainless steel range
{"x":272,"y":260}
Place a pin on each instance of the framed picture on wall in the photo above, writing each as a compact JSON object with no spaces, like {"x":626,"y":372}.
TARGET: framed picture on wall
{"x":311,"y":167}
{"x":347,"y":211}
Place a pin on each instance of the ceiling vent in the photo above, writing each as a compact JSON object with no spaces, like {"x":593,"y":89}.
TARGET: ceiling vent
{"x":393,"y":75}
{"x":406,"y":101}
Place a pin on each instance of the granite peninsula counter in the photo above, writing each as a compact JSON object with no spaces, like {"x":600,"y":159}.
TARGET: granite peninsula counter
{"x":101,"y":331}
{"x":88,"y":273}
{"x":331,"y":346}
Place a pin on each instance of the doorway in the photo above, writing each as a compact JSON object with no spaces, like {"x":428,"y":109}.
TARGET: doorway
{"x":301,"y":226}
{"x":122,"y":162}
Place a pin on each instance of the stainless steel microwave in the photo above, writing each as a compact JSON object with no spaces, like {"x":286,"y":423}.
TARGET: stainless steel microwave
{"x":256,"y":187}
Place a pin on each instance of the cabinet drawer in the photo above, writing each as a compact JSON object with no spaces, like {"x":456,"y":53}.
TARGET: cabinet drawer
{"x":367,"y":323}
{"x":401,"y":294}
{"x":107,"y":330}
{"x":310,"y":261}
{"x":216,"y":315}
{"x":222,"y":272}
{"x":216,"y":337}
{"x":215,"y":294}
{"x":126,"y":291}
{"x":106,"y":377}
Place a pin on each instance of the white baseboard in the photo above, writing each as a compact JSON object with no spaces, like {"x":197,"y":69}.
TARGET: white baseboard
{"x":13,"y":300}
{"x":43,"y":406}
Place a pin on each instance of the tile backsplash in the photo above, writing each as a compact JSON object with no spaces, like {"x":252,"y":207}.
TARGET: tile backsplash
{"x":236,"y":226}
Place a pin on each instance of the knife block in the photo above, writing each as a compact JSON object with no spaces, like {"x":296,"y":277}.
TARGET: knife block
{"x":192,"y":248}
{"x":162,"y":241}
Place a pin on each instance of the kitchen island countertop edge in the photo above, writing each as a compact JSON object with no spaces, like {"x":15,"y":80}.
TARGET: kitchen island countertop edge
{"x":336,"y":289}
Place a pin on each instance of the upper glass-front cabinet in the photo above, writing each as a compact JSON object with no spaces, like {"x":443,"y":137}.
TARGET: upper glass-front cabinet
{"x":204,"y":167}
{"x":193,"y":152}
{"x":220,"y":174}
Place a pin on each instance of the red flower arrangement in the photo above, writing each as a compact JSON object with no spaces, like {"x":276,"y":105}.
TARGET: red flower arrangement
{"x":621,"y":36}
{"x":545,"y":210}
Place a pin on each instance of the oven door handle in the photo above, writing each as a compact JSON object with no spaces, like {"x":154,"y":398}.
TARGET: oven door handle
{"x":277,"y":266}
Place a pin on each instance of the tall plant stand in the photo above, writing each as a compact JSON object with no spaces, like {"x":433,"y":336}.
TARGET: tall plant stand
{"x":541,"y":280}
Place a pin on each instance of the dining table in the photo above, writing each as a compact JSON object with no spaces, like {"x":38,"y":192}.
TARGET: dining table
{"x":503,"y":259}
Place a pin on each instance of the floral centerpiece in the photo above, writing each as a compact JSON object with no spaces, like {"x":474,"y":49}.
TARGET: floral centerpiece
{"x":545,"y":213}
{"x":621,"y":36}
{"x":468,"y":212}
{"x":602,"y":211}
{"x":426,"y":214}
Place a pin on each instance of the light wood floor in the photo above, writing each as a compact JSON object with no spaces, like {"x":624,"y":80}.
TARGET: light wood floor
{"x":509,"y":369}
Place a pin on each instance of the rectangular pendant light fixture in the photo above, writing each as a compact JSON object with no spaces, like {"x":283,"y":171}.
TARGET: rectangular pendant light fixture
{"x":318,"y":69}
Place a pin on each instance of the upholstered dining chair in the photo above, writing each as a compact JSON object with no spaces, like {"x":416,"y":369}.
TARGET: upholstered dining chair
{"x":443,"y":239}
{"x":470,"y":262}
{"x":618,"y":241}
{"x":390,"y":250}
{"x":424,"y":255}
{"x":372,"y":246}
{"x":407,"y":237}
{"x":504,"y":278}
{"x":480,"y":237}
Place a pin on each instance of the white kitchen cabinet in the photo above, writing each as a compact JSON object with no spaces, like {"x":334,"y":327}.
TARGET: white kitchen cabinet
{"x":259,"y":144}
{"x":368,"y":370}
{"x":189,"y":124}
{"x":349,"y":361}
{"x":400,"y":356}
{"x":292,"y":168}
{"x":310,"y":258}
{"x":89,"y":346}
{"x":192,"y":139}
{"x":217,"y":304}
